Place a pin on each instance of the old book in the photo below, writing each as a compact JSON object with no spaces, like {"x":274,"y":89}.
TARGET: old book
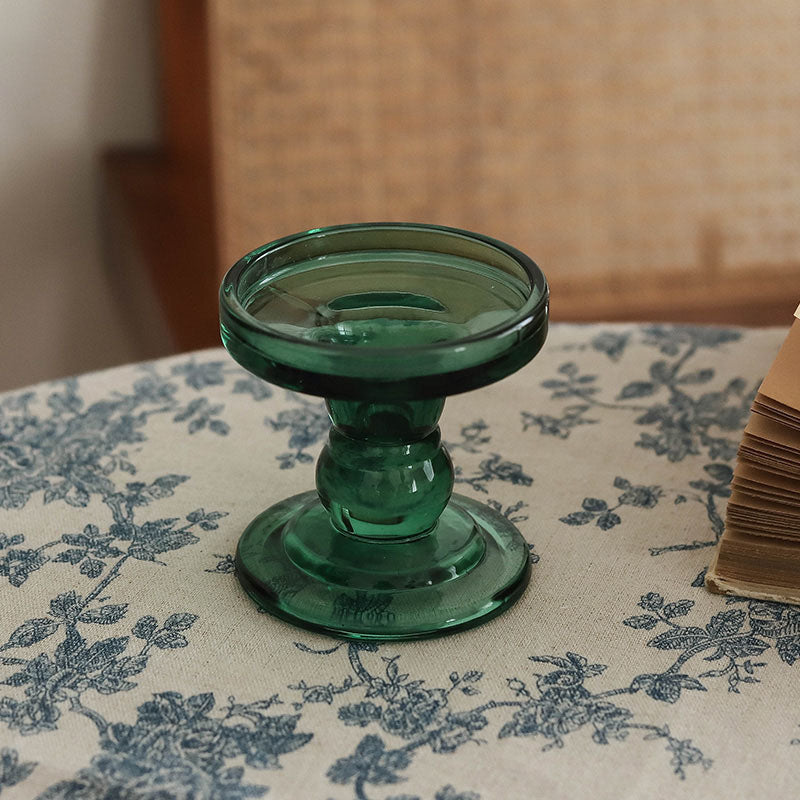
{"x":759,"y":552}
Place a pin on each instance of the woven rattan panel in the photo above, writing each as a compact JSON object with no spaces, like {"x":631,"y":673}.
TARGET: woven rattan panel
{"x":606,"y":139}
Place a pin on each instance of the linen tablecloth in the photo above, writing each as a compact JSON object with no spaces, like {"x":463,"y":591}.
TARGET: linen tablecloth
{"x":134,"y":666}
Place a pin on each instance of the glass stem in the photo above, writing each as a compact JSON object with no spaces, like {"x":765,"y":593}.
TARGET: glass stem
{"x":384,"y":474}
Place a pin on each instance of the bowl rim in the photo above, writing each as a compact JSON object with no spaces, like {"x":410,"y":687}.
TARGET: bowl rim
{"x":531,"y":313}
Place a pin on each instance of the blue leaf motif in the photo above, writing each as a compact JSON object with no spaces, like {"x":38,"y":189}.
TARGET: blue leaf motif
{"x":72,"y":556}
{"x":31,"y":632}
{"x":360,"y":714}
{"x":200,"y":703}
{"x":12,"y":771}
{"x":18,"y":564}
{"x":16,"y":679}
{"x":680,"y":639}
{"x":577,"y":518}
{"x":165,"y":486}
{"x":145,"y":627}
{"x":219,"y":427}
{"x":642,"y":622}
{"x":667,"y":686}
{"x":662,"y":372}
{"x":71,"y":653}
{"x":105,"y":615}
{"x":678,"y":609}
{"x":700,"y":578}
{"x":371,"y":763}
{"x":608,"y":520}
{"x":726,"y":623}
{"x":104,"y":652}
{"x":169,"y":640}
{"x":699,"y":376}
{"x":594,"y":504}
{"x":743,"y":646}
{"x":159,"y":536}
{"x":180,"y":622}
{"x":720,"y":472}
{"x":197,"y":424}
{"x":637,"y":389}
{"x":191,"y":409}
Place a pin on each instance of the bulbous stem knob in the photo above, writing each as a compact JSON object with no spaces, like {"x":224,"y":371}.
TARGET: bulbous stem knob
{"x":384,"y":473}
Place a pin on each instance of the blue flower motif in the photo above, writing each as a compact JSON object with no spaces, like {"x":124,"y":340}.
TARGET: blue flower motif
{"x":611,"y":343}
{"x":154,"y":389}
{"x":597,"y":510}
{"x":472,"y":438}
{"x":669,"y":339}
{"x":257,"y":389}
{"x":560,"y":427}
{"x":449,"y":793}
{"x":638,"y":496}
{"x":412,"y":712}
{"x":225,"y":566}
{"x":198,"y":376}
{"x":307,"y":425}
{"x":179,"y":748}
{"x":494,"y":468}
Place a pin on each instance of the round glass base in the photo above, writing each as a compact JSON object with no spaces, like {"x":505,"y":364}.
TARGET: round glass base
{"x":473,"y":565}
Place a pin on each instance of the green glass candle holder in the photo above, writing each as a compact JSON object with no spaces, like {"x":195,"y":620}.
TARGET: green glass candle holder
{"x":384,"y":320}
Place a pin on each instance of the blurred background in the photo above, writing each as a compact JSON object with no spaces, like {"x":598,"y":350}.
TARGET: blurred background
{"x":646,"y":155}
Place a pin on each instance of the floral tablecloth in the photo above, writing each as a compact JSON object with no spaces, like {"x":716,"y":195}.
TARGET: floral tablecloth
{"x":133,"y":665}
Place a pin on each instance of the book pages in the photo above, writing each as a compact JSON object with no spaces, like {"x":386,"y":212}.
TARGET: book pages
{"x":759,"y":552}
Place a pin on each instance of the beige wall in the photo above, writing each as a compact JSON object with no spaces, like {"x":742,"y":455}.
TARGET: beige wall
{"x":75,"y":77}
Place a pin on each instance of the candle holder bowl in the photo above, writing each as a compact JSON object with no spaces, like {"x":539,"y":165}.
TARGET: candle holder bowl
{"x":384,"y":320}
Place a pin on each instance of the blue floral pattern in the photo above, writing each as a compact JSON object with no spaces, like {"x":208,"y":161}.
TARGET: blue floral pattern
{"x":551,"y":706}
{"x":307,"y":424}
{"x":686,"y":423}
{"x":104,"y":519}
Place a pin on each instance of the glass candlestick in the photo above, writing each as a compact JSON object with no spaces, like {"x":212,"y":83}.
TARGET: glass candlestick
{"x":383,"y":320}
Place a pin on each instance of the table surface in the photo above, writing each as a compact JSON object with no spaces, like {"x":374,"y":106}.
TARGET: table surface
{"x":134,"y":666}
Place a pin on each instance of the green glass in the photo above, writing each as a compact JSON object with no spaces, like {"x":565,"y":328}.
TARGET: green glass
{"x":384,"y":321}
